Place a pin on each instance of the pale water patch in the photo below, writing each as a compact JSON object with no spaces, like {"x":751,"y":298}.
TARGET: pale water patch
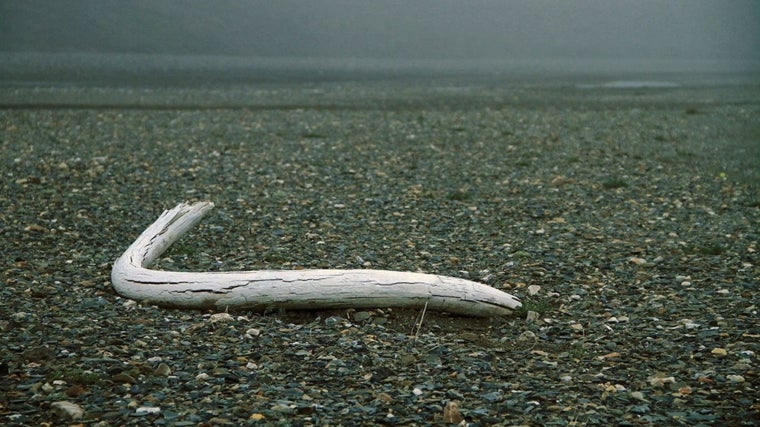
{"x":631,"y":84}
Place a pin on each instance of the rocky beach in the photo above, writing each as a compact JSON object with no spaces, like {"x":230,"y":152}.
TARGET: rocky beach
{"x":625,"y":217}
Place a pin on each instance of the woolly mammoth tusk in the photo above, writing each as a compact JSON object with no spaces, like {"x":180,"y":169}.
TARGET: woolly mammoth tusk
{"x":288,"y":289}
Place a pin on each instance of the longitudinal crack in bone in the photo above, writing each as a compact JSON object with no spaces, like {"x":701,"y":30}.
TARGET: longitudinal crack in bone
{"x":287,"y":289}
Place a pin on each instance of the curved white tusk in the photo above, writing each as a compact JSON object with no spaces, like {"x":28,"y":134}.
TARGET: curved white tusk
{"x":260,"y":290}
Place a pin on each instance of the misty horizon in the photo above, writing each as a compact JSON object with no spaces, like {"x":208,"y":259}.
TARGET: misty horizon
{"x":43,"y":39}
{"x":420,"y":29}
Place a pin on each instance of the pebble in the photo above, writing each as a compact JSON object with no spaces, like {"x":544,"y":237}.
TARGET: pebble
{"x":719,"y":352}
{"x":451,"y":413}
{"x":660,"y":381}
{"x":67,"y":410}
{"x":361,"y":316}
{"x":384,"y":397}
{"x":638,"y":396}
{"x":527,"y":336}
{"x":613,"y":355}
{"x":163,"y":370}
{"x":123,"y":378}
{"x":221,"y":318}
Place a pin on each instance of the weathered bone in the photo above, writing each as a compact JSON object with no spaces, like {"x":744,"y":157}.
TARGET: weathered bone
{"x":287,"y":289}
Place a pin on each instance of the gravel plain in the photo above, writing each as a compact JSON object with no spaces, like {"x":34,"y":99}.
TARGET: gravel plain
{"x":626,"y":219}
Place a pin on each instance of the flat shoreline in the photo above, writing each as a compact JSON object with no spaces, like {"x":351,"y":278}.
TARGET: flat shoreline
{"x":382,"y":95}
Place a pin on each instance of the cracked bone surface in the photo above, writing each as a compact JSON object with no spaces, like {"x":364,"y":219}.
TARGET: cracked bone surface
{"x":261,"y":290}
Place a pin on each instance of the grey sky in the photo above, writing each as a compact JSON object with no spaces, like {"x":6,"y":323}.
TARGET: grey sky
{"x":694,"y":29}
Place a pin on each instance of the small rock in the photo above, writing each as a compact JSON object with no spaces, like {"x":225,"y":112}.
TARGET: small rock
{"x":735,"y":378}
{"x":35,"y":228}
{"x":19,"y":316}
{"x":532,"y":316}
{"x":67,"y":410}
{"x":451,"y":413}
{"x":577,"y":327}
{"x":685,"y":390}
{"x":253,"y":332}
{"x":361,"y":316}
{"x":163,"y":370}
{"x":283,"y":408}
{"x":658,"y":381}
{"x":221,"y":318}
{"x":416,"y":391}
{"x":638,"y":396}
{"x":74,"y":391}
{"x":334,"y":321}
{"x":719,"y":352}
{"x":384,"y":397}
{"x":533,"y":290}
{"x":123,"y":378}
{"x":37,"y":354}
{"x":527,"y":336}
{"x":613,"y":355}
{"x":407,"y":359}
{"x":145,"y":410}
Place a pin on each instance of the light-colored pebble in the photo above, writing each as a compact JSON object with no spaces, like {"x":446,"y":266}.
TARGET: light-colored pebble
{"x":638,"y":396}
{"x":221,"y":318}
{"x":658,"y":381}
{"x":67,"y":410}
{"x":527,"y":336}
{"x":719,"y":352}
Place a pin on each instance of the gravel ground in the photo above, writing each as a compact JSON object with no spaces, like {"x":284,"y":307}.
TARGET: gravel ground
{"x":626,"y":220}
